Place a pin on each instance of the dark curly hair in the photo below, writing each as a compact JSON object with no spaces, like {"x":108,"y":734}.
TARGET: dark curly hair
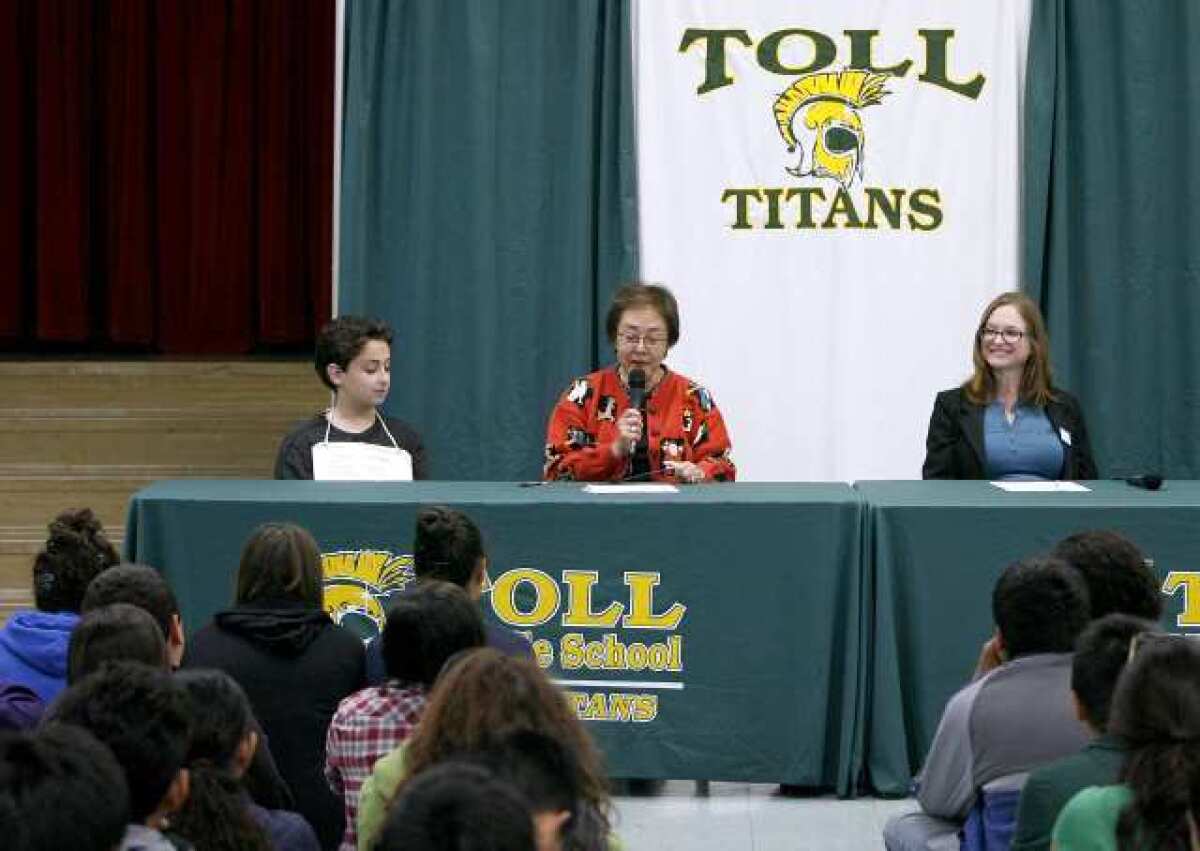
{"x":342,"y":339}
{"x":142,"y":714}
{"x":1040,"y":605}
{"x":75,"y":552}
{"x":447,"y":545}
{"x":214,"y":817}
{"x":1118,"y":577}
{"x":60,"y":788}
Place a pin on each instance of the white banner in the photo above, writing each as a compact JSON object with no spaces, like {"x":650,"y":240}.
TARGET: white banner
{"x":832,"y":192}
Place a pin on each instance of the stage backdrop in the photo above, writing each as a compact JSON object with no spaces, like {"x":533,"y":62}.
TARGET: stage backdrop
{"x":487,"y":211}
{"x":832,"y":192}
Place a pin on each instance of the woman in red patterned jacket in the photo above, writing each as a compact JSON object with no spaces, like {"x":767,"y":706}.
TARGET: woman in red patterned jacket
{"x":597,"y":435}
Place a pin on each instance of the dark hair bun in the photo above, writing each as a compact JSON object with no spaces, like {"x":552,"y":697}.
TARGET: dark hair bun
{"x":79,"y":532}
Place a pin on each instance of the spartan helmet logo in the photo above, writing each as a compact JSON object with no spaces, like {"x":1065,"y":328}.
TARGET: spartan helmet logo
{"x":819,"y":115}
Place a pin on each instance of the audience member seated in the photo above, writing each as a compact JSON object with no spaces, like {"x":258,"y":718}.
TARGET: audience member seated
{"x":293,"y":662}
{"x":1156,"y":714}
{"x":145,"y":588}
{"x":115,"y":633}
{"x":141,"y":714}
{"x":480,"y":698}
{"x":447,"y":545}
{"x":1100,"y":657}
{"x":1116,"y":573}
{"x":1011,"y":719}
{"x":60,"y":788}
{"x":20,"y":707}
{"x":458,"y":807}
{"x":219,"y":814}
{"x":33,"y":644}
{"x":426,"y":625}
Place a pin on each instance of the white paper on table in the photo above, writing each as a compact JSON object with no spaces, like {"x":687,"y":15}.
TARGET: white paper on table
{"x":631,"y":487}
{"x":1041,"y":487}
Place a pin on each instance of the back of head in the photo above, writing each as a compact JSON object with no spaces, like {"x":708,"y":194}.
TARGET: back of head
{"x":483,"y":696}
{"x":214,"y":816}
{"x":342,"y":339}
{"x":446,"y":545}
{"x":1156,"y":713}
{"x":76,"y":551}
{"x":60,"y":788}
{"x":1040,"y":605}
{"x":457,"y":807}
{"x":280,"y":561}
{"x":120,"y":632}
{"x":536,"y":765}
{"x":141,"y":714}
{"x":137,"y":585}
{"x":427,"y":623}
{"x":1100,"y":656}
{"x":1116,"y":573}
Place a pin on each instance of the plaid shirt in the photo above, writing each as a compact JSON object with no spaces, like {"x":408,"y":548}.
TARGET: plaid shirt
{"x":368,"y":724}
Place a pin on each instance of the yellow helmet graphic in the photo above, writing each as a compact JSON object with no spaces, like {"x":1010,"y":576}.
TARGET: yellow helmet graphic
{"x":819,"y":115}
{"x":356,"y":581}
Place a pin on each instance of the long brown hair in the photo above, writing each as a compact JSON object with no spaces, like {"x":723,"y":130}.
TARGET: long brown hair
{"x":280,"y":561}
{"x":484,"y":696}
{"x":1037,"y":386}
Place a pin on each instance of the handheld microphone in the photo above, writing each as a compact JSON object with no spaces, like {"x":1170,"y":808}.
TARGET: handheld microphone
{"x":1146,"y":481}
{"x":637,"y":388}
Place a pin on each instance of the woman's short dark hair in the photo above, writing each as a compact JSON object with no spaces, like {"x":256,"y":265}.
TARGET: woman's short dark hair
{"x":114,"y":633}
{"x":1156,"y":715}
{"x":428,"y":623}
{"x":446,"y":545}
{"x":280,"y":561}
{"x":75,"y":552}
{"x":343,"y":339}
{"x":654,"y":296}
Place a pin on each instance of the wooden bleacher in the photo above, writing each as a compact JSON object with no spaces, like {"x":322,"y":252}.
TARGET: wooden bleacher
{"x":90,"y":433}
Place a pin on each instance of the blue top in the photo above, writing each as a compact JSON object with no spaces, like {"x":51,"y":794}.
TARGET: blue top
{"x":33,"y":650}
{"x":1026,"y":450}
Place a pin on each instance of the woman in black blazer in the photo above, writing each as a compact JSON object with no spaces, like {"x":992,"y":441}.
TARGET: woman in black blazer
{"x":1008,"y":421}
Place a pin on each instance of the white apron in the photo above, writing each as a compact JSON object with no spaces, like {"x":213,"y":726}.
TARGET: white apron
{"x":351,"y":461}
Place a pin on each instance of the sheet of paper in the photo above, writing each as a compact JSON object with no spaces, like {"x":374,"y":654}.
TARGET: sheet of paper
{"x":631,"y":487}
{"x":1041,"y":487}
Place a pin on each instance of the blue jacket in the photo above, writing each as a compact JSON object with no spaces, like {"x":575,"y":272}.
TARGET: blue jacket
{"x":33,"y":650}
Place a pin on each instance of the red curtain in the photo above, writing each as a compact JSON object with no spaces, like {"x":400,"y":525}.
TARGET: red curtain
{"x":168,"y":173}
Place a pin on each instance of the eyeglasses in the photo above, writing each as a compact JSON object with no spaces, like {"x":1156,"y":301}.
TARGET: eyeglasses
{"x":633,"y":340}
{"x":1008,"y":335}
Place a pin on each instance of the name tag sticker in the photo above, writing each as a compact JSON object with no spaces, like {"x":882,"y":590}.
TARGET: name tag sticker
{"x":1065,"y":435}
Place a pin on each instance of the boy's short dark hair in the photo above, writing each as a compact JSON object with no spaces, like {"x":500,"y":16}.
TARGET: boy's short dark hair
{"x":457,"y":807}
{"x":1100,"y":656}
{"x":141,"y":714}
{"x":1040,"y":605}
{"x":117,"y":633}
{"x":60,"y":788}
{"x":342,"y":339}
{"x":1116,"y":572}
{"x":427,"y":623}
{"x":137,"y":585}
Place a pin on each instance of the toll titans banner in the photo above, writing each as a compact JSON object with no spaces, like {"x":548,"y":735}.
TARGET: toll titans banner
{"x":832,"y":191}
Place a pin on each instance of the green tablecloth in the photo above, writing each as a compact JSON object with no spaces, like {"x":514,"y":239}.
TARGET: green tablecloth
{"x":935,"y":550}
{"x":768,"y":576}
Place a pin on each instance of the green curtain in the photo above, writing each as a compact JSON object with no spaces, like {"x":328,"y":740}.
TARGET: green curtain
{"x":1112,"y":245}
{"x":488,"y":210}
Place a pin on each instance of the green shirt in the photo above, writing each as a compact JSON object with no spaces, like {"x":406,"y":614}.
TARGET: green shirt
{"x":1049,"y":788}
{"x":1089,"y":821}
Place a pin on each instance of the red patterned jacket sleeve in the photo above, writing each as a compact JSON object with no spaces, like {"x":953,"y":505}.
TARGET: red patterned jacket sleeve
{"x":711,"y":450}
{"x":575,"y":450}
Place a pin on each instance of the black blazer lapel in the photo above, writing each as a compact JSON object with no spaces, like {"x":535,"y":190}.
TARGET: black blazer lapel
{"x":970,"y":420}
